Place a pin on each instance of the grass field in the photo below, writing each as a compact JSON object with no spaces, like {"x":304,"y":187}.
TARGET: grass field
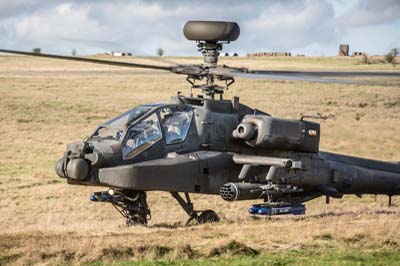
{"x":46,"y":104}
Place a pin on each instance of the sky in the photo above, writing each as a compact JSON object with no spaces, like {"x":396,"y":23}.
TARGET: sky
{"x":311,"y":27}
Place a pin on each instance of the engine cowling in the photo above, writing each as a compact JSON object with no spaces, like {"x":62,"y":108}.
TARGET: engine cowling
{"x":277,"y":133}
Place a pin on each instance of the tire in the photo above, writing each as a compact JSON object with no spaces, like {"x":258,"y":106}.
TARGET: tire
{"x":208,"y":216}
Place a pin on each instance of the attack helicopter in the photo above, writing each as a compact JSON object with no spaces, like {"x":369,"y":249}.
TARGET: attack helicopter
{"x":210,"y":145}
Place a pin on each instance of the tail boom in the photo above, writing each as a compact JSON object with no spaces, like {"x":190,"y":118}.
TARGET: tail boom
{"x":353,"y":175}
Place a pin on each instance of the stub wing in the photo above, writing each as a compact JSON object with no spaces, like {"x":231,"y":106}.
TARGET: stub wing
{"x":203,"y":172}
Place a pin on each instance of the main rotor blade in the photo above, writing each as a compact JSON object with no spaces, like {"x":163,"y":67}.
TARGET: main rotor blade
{"x":329,"y":73}
{"x":292,"y":78}
{"x":90,"y":60}
{"x":312,"y":76}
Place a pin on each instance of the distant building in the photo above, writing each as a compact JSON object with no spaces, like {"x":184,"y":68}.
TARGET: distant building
{"x":262,"y":54}
{"x":344,"y":50}
{"x":118,"y":53}
{"x":358,"y":54}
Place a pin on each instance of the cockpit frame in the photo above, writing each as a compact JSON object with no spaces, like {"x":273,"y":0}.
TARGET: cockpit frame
{"x":184,"y":128}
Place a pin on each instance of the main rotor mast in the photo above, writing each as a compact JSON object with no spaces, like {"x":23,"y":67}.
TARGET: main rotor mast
{"x":210,"y":36}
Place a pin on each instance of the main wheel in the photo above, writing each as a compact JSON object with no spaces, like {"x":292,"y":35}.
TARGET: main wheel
{"x":208,"y":216}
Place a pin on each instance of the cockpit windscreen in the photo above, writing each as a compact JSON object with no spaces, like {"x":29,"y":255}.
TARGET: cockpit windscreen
{"x":114,"y":127}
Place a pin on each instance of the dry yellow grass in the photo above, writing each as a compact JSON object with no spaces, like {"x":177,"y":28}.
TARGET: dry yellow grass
{"x":46,"y":104}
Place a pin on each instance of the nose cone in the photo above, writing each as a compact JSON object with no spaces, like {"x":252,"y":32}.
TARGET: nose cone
{"x":76,"y":169}
{"x":59,"y":168}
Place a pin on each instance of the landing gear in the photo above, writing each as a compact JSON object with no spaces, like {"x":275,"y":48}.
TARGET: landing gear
{"x":130,"y":204}
{"x":133,"y":206}
{"x":207,"y":216}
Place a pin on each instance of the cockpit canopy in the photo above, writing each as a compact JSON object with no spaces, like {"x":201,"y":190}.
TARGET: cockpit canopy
{"x":114,"y":127}
{"x":141,"y":127}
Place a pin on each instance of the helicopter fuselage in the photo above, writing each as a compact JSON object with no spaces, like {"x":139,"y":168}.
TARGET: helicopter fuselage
{"x":209,"y":154}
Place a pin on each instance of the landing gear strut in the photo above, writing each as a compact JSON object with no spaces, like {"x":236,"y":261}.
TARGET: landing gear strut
{"x":133,"y":206}
{"x":206,"y":216}
{"x":130,"y":204}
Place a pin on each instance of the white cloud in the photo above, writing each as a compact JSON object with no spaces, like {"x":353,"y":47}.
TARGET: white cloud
{"x":371,"y":12}
{"x":47,"y":28}
{"x":290,"y":26}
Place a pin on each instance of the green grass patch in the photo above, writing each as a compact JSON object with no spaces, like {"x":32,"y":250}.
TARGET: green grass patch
{"x":320,"y":258}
